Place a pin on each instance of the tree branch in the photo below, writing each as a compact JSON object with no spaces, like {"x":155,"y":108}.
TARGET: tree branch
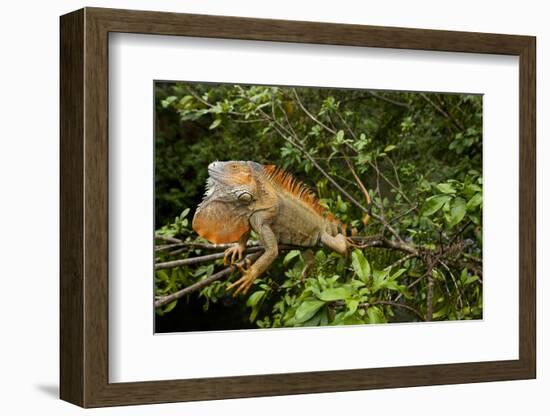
{"x":251,"y":248}
{"x":196,"y":260}
{"x":164,"y":300}
{"x":168,"y":239}
{"x":205,"y":246}
{"x":381,"y":241}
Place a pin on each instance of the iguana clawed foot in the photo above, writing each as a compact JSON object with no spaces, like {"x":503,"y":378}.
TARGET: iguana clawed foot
{"x":245,"y":282}
{"x":235,"y":254}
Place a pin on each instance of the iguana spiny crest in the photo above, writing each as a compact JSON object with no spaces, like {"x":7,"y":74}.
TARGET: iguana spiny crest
{"x":242,"y":196}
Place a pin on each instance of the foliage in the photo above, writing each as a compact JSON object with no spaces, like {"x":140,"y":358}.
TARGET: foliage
{"x":419,"y":156}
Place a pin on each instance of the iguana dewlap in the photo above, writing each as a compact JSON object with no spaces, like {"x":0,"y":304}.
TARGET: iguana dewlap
{"x":242,"y":196}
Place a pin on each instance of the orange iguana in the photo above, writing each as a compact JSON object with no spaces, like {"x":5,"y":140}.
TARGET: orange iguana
{"x":243,"y":196}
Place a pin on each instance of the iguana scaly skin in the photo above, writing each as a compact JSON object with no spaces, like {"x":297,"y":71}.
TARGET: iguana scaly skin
{"x":242,"y":196}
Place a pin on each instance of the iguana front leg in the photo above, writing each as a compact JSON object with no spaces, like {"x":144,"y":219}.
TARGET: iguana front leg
{"x":260,"y":223}
{"x":235,"y":253}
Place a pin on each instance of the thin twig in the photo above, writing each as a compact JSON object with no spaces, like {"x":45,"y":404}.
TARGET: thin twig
{"x":286,"y":117}
{"x":442,"y":112}
{"x":389,"y":182}
{"x":400,"y":261}
{"x":371,"y":94}
{"x":395,"y":304}
{"x":458,"y":289}
{"x":382,"y":216}
{"x":404,"y":214}
{"x":311,"y":116}
{"x":395,"y":173}
{"x":359,"y":182}
{"x":257,"y":120}
{"x":462,"y":229}
{"x":389,"y":100}
{"x":409,"y":286}
{"x":209,"y":105}
{"x":430,"y":294}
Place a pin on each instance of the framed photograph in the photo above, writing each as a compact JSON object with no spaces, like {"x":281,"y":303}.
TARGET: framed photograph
{"x":255,"y":207}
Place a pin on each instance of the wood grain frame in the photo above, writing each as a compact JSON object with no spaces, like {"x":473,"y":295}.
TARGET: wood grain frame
{"x":84,"y":207}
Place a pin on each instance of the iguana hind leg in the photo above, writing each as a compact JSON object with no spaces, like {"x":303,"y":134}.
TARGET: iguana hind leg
{"x":309,"y":263}
{"x":337,"y":243}
{"x":269,"y":241}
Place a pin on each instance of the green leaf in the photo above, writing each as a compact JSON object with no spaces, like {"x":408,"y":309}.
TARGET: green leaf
{"x":167,"y":101}
{"x":290,"y":255}
{"x":375,"y":315}
{"x":307,"y":309}
{"x":364,"y":158}
{"x":392,"y":285}
{"x":340,"y":136}
{"x":379,"y":279}
{"x":352,"y":320}
{"x":184,"y":213}
{"x":170,"y":306}
{"x":360,"y":265}
{"x":458,"y":211}
{"x":435,"y":203}
{"x":329,"y":295}
{"x":474,"y":201}
{"x":184,"y":101}
{"x":315,"y":320}
{"x":162,"y":275}
{"x":254,"y":298}
{"x":441,"y":312}
{"x":472,"y":189}
{"x":397,"y":274}
{"x":352,"y":305}
{"x":215,"y":124}
{"x":471,"y":280}
{"x":389,"y":148}
{"x":446,"y":188}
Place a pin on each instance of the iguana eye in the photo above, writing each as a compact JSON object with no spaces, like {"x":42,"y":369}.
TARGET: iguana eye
{"x":245,"y":196}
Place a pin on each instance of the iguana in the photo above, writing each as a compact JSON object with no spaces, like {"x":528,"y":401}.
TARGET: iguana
{"x":242,"y":196}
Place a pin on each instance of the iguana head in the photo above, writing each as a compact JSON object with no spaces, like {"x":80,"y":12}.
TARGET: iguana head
{"x":233,"y":180}
{"x":222,"y":216}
